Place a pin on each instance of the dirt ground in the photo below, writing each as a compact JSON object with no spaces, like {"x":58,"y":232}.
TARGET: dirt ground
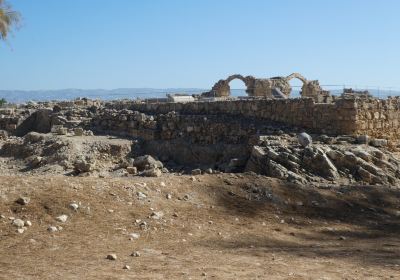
{"x":222,"y":226}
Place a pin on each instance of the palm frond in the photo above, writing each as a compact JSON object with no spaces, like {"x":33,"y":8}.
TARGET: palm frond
{"x":8,"y":19}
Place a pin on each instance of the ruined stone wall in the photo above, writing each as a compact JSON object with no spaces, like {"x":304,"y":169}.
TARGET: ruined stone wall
{"x":378,"y":118}
{"x":197,"y":129}
{"x":230,"y":120}
{"x":333,"y":118}
{"x":10,"y":118}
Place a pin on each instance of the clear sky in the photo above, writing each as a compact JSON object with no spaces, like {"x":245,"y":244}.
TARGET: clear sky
{"x":193,"y":43}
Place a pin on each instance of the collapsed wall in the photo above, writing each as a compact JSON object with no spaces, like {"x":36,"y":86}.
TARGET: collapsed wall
{"x":185,"y":139}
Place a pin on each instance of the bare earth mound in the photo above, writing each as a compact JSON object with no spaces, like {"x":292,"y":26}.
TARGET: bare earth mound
{"x":221,"y":226}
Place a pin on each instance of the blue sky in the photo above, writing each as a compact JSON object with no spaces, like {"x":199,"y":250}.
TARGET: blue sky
{"x":193,"y":43}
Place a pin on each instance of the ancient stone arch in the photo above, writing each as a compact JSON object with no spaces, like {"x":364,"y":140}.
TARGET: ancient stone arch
{"x":296,"y":76}
{"x":310,"y":89}
{"x":276,"y":87}
{"x":222,"y":88}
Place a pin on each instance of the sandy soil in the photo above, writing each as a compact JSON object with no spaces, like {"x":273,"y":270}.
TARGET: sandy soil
{"x":214,"y":227}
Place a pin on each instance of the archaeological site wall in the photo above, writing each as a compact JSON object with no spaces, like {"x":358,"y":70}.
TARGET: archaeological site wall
{"x":353,"y":116}
{"x":378,"y":118}
{"x":329,"y":118}
{"x":219,"y":119}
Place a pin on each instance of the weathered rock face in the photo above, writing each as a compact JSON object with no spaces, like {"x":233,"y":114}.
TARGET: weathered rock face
{"x":325,"y":163}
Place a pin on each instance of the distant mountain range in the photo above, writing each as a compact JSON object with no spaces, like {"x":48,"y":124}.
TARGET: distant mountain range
{"x":21,"y":96}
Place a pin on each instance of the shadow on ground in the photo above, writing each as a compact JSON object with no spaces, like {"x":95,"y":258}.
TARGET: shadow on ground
{"x":355,"y":222}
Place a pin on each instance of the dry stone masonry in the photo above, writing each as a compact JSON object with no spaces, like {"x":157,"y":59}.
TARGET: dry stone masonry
{"x":276,"y":87}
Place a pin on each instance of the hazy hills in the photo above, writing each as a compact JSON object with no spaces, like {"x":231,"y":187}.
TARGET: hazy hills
{"x":20,"y":96}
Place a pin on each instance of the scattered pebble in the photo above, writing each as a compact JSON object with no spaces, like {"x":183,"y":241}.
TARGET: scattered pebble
{"x":168,"y":196}
{"x":62,"y":218}
{"x":141,"y":195}
{"x":74,"y":206}
{"x":126,"y":267}
{"x":52,"y":229}
{"x":21,"y":230}
{"x":23,"y":200}
{"x":157,"y":215}
{"x":28,"y":223}
{"x":143,"y":225}
{"x":135,"y":254}
{"x":111,"y":257}
{"x":18,"y":223}
{"x":134,"y":235}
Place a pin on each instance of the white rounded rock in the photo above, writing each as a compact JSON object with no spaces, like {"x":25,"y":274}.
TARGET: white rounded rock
{"x":134,"y":235}
{"x":62,"y":218}
{"x":52,"y":229}
{"x":18,"y":223}
{"x":74,"y":206}
{"x":304,"y":139}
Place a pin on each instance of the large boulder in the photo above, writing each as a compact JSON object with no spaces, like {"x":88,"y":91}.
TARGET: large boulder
{"x":39,"y":121}
{"x":316,"y":160}
{"x":147,"y":162}
{"x":304,"y":139}
{"x":83,"y":165}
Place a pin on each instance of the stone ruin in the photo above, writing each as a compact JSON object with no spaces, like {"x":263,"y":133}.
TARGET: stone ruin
{"x":352,"y":134}
{"x":276,"y":87}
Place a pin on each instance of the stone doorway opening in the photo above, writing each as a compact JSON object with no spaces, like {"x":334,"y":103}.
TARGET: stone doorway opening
{"x":237,"y":88}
